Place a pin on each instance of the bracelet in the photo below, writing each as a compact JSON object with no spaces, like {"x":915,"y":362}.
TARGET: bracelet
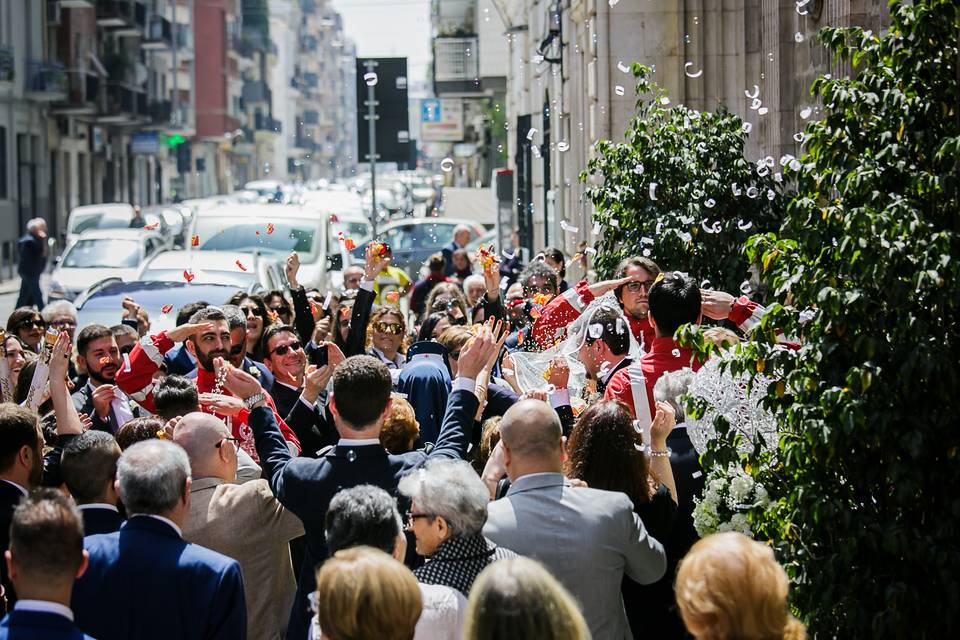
{"x":659,"y":454}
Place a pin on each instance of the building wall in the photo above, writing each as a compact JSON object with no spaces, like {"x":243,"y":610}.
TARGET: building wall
{"x":210,"y":85}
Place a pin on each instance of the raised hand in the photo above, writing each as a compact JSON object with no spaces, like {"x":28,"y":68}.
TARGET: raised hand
{"x":374,"y":263}
{"x":60,"y":359}
{"x":559,"y":373}
{"x":221,"y":404}
{"x":239,"y":383}
{"x":663,"y":423}
{"x":184,"y":331}
{"x":476,"y":353}
{"x":292,"y":268}
{"x":102,"y":397}
{"x":716,"y":304}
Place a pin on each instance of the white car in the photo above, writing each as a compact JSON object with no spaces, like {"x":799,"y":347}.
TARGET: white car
{"x":312,"y":231}
{"x":111,"y":216}
{"x":248,"y":271}
{"x":101,"y":254}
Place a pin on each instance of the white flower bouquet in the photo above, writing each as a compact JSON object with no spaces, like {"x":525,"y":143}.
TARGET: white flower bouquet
{"x":727,"y":497}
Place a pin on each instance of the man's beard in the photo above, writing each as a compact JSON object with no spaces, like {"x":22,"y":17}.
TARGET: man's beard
{"x":106,"y":375}
{"x":205,"y":360}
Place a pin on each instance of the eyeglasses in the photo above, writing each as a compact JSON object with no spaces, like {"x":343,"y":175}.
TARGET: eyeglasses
{"x":235,"y":441}
{"x":37,"y":322}
{"x":412,"y":517}
{"x":388,"y":327}
{"x":250,"y":311}
{"x":237,"y":350}
{"x":283,"y":349}
{"x":637,"y":287}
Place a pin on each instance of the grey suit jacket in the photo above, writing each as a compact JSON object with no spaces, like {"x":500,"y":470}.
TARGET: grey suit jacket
{"x":586,"y":538}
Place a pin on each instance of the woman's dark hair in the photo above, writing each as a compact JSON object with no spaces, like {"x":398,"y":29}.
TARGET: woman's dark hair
{"x":557,"y":256}
{"x":602,"y":451}
{"x":277,"y":293}
{"x":138,"y":430}
{"x":445,"y":289}
{"x":239,"y":297}
{"x":429,"y":324}
{"x":15,"y":319}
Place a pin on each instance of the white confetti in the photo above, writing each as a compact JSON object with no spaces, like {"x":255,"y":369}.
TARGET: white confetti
{"x":747,"y":127}
{"x":326,"y":300}
{"x":755,"y":94}
{"x":709,"y":203}
{"x":736,"y":190}
{"x":646,"y":240}
{"x":370,"y":78}
{"x":806,"y":112}
{"x":596,"y":228}
{"x":568,"y":228}
{"x":447,"y":165}
{"x":686,"y":219}
{"x":795,"y":165}
{"x":623,"y":67}
{"x":706,"y":284}
{"x":686,"y":237}
{"x":762,"y":111}
{"x":619,"y":90}
{"x":664,"y":100}
{"x":675,"y":353}
{"x":659,"y":227}
{"x":620,"y":328}
{"x":763,"y":170}
{"x":531,"y":133}
{"x":563,"y":146}
{"x":798,"y":37}
{"x":613,"y":3}
{"x":798,"y":136}
{"x":653,"y":190}
{"x":743,"y":225}
{"x":752,"y":192}
{"x":771,"y":194}
{"x":615,"y":223}
{"x":535,"y":150}
{"x":756,"y":104}
{"x":696,"y":474}
{"x":646,"y":253}
{"x":778,"y":177}
{"x":745,"y":287}
{"x":638,"y":168}
{"x":590,"y":251}
{"x":691,"y":74}
{"x":126,"y":363}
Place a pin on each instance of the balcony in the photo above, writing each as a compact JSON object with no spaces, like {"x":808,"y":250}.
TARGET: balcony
{"x":311,"y":116}
{"x":255,"y":92}
{"x":456,"y":65}
{"x":82,"y":93}
{"x":158,"y":35}
{"x":161,"y":112}
{"x":124,"y":104}
{"x":122,"y":17}
{"x":46,"y":81}
{"x":263,"y":122}
{"x":6,"y":64}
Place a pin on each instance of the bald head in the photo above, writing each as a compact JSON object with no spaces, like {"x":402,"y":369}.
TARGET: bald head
{"x":532,"y":434}
{"x":203,"y":437}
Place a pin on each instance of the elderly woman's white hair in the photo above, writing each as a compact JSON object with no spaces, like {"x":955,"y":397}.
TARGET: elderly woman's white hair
{"x":671,"y":386}
{"x":33,"y":223}
{"x":452,"y":490}
{"x":58,"y":308}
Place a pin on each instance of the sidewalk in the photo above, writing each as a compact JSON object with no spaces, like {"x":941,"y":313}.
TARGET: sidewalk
{"x":10,"y":286}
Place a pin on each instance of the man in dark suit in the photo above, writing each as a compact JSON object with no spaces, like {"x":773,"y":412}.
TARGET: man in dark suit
{"x":89,"y":468}
{"x":461,"y":236}
{"x":360,"y":404}
{"x":46,"y":555}
{"x":98,"y":355}
{"x":21,"y":469}
{"x":606,"y":345}
{"x":33,"y":260}
{"x":144,"y":581}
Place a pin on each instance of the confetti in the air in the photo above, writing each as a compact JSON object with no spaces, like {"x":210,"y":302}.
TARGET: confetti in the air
{"x":755,"y":94}
{"x":269,"y":228}
{"x":596,"y":228}
{"x":743,"y":225}
{"x":370,"y":78}
{"x":568,"y":228}
{"x":165,"y":309}
{"x":563,"y":146}
{"x":188,"y":275}
{"x":623,"y":67}
{"x":240,"y":265}
{"x":798,"y":37}
{"x":326,"y":300}
{"x":653,"y":190}
{"x":709,"y":203}
{"x":619,"y":90}
{"x":691,"y":74}
{"x":805,"y":112}
{"x":447,"y":165}
{"x":747,"y":127}
{"x":195,"y":241}
{"x":638,"y":168}
{"x":532,"y":133}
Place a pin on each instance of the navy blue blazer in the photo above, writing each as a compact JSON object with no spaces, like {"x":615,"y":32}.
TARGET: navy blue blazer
{"x":179,"y":362}
{"x":39,"y":625}
{"x":100,"y":520}
{"x":145,"y":581}
{"x":305,"y":486}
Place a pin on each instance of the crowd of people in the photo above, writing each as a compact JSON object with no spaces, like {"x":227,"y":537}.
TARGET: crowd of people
{"x":487,"y":452}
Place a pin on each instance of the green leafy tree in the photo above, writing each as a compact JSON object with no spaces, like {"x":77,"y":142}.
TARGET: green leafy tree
{"x":866,"y":476}
{"x":680,"y":190}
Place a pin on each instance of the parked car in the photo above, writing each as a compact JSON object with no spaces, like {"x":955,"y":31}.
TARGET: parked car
{"x":279,"y":229}
{"x":111,"y":216}
{"x":98,"y":255}
{"x":176,"y":221}
{"x":412,"y":241}
{"x":218,"y":267}
{"x":102,"y":303}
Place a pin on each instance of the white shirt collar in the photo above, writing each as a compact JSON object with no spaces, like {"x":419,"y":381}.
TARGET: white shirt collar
{"x":398,"y":360}
{"x":284,"y":384}
{"x":98,"y":505}
{"x":161,"y":519}
{"x":44,"y":606}
{"x":362,"y":442}
{"x":610,"y":370}
{"x":19,"y":488}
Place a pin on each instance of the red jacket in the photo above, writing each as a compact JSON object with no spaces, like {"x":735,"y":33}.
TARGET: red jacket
{"x":145,"y":360}
{"x":566,"y":308}
{"x":665,"y":355}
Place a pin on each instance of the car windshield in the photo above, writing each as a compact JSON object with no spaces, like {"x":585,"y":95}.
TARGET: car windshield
{"x":357,"y":231}
{"x":102,"y":253}
{"x":101,"y":220}
{"x":279,"y":236}
{"x":238,"y":279}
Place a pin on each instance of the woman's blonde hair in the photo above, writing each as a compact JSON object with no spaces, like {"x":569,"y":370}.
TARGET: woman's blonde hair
{"x":729,"y":586}
{"x":454,"y":337}
{"x":364,"y":594}
{"x":518,"y":598}
{"x":721,"y":337}
{"x":400,"y":429}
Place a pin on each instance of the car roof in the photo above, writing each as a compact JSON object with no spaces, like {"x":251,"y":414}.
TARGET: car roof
{"x":103,"y":208}
{"x":117,"y":234}
{"x":152,"y":295}
{"x":263,"y":211}
{"x":473,"y":224}
{"x":209,"y":260}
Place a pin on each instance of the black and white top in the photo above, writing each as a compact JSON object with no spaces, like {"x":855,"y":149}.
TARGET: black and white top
{"x":458,"y":561}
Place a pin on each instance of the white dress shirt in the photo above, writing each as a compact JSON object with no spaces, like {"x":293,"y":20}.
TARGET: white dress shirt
{"x":44,"y":606}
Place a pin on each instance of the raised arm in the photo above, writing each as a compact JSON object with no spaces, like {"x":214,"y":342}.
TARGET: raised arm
{"x":303,"y":314}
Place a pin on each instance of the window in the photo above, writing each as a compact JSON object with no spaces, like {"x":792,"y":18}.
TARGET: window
{"x":3,"y":163}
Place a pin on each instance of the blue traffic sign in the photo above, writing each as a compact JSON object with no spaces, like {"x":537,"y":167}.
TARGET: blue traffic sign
{"x":430,"y":110}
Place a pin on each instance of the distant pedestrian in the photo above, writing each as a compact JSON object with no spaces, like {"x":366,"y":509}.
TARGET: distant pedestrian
{"x":33,"y":260}
{"x":137,"y":221}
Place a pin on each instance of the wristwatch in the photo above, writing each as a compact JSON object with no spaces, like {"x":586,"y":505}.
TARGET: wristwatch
{"x":254,"y":400}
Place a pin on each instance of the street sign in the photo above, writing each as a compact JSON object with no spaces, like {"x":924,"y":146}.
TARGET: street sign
{"x":390,"y":111}
{"x":442,"y":120}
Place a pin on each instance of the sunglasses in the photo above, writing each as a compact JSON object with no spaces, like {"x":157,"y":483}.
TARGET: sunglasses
{"x":637,"y":287}
{"x":37,"y":323}
{"x":250,"y":311}
{"x":283,"y":349}
{"x":388,"y":327}
{"x":281,"y":311}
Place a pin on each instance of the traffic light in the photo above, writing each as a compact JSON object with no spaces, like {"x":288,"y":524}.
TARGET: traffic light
{"x":183,"y":158}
